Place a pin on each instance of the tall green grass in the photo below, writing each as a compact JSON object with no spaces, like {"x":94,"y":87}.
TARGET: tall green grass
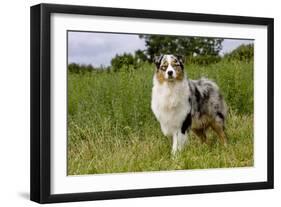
{"x":111,"y":127}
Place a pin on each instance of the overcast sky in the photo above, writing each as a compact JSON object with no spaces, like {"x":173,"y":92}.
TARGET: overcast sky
{"x":99,"y":48}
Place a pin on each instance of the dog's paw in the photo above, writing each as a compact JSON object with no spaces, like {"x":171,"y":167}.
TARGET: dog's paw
{"x":175,"y":154}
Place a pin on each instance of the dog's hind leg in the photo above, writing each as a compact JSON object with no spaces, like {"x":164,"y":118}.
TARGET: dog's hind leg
{"x":219,"y":129}
{"x":201,"y":134}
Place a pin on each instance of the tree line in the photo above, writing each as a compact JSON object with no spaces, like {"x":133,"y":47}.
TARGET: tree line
{"x":195,"y":50}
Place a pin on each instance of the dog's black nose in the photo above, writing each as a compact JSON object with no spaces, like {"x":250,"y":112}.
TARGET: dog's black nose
{"x":170,"y":73}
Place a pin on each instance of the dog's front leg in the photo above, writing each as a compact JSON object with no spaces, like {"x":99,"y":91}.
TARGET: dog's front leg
{"x":175,"y":144}
{"x":179,"y":141}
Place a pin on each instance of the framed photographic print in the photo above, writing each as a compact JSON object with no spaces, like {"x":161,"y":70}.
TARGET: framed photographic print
{"x":133,"y":103}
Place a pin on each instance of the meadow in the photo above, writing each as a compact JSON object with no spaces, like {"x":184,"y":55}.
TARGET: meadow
{"x":111,"y":128}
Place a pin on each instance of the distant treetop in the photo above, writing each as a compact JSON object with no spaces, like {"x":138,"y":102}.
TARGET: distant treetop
{"x":185,"y":46}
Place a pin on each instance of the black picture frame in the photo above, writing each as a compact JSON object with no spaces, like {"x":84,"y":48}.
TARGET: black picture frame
{"x":40,"y":184}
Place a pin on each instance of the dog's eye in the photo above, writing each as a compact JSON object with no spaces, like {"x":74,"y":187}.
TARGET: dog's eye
{"x":163,"y":67}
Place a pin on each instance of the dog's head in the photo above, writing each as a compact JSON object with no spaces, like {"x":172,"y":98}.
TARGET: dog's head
{"x":169,"y":68}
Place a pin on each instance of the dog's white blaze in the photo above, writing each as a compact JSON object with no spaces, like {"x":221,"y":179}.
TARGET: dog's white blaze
{"x":169,"y":68}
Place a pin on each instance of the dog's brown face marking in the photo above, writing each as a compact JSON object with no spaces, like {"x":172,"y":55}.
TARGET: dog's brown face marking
{"x":166,"y":63}
{"x":160,"y":76}
{"x":177,"y":65}
{"x":179,"y":75}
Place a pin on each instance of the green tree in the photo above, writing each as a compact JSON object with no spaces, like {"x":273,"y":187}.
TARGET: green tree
{"x":80,"y":68}
{"x":126,"y":60}
{"x":186,"y":46}
{"x":241,"y":53}
{"x":140,"y":56}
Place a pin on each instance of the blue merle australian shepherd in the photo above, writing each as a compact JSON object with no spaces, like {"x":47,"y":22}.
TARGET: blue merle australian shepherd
{"x":181,"y":104}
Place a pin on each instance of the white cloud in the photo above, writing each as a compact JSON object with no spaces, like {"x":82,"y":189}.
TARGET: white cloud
{"x":99,"y":48}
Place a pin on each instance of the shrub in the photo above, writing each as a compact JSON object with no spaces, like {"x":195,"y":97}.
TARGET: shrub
{"x":77,"y":68}
{"x":242,"y":53}
{"x":128,"y":61}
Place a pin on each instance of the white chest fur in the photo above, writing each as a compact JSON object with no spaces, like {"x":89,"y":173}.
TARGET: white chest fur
{"x":170,"y":105}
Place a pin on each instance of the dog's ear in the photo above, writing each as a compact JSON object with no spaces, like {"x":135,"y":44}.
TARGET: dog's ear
{"x":157,"y":60}
{"x":180,"y":59}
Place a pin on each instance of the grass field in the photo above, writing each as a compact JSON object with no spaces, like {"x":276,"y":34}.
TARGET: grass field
{"x":111,"y":127}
